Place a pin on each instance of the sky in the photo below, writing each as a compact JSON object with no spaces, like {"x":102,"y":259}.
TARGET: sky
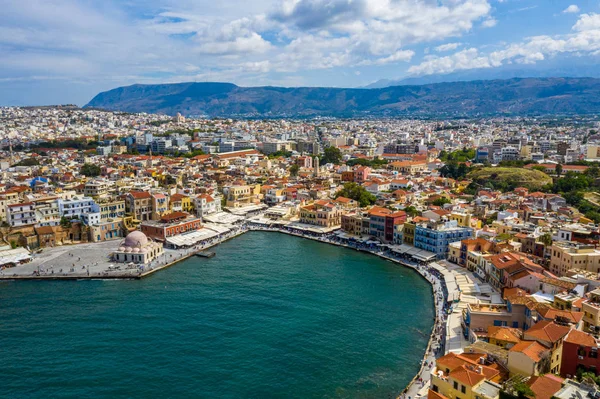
{"x":66,"y":51}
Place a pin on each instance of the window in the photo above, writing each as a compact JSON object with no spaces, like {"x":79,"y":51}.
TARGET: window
{"x":455,"y":385}
{"x":463,"y":389}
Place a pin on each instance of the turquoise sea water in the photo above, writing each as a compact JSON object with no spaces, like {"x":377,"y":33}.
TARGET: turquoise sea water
{"x":271,"y":316}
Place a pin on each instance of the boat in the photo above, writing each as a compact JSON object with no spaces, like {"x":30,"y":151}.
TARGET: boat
{"x":205,"y":254}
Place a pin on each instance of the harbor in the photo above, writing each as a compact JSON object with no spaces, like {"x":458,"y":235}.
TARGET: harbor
{"x":90,"y":261}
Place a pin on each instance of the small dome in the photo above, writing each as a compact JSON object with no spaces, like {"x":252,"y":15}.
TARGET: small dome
{"x":128,"y":249}
{"x":136,"y":239}
{"x":136,"y":250}
{"x":121,"y":249}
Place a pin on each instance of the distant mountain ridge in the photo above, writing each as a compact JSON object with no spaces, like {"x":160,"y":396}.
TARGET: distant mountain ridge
{"x":512,"y":97}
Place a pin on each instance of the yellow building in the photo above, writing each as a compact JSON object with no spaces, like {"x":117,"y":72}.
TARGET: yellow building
{"x":528,"y":358}
{"x":591,"y":312}
{"x":572,"y":255}
{"x":465,"y":220}
{"x":111,"y":210}
{"x":409,"y":233}
{"x":240,"y":196}
{"x":454,"y":252}
{"x":181,"y":203}
{"x":593,"y":152}
{"x":551,"y":336}
{"x":321,"y":213}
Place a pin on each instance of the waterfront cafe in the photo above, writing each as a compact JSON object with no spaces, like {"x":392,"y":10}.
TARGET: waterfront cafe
{"x":204,"y":235}
{"x":10,"y":257}
{"x":415,"y":254}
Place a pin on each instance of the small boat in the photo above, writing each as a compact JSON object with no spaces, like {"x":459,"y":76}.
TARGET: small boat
{"x":205,"y":254}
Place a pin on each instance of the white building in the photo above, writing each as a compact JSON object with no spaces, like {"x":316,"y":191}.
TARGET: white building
{"x":18,"y":215}
{"x":206,"y":205}
{"x":77,"y":206}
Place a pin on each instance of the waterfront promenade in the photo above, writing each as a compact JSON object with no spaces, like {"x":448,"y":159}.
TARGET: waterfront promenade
{"x":92,"y":261}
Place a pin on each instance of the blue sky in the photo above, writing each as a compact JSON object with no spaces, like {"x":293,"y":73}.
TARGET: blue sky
{"x":66,"y":51}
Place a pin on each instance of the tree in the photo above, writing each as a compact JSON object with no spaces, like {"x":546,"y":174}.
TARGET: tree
{"x":332,"y":155}
{"x":454,"y":170}
{"x":558,"y":169}
{"x":358,"y":193}
{"x":28,"y":162}
{"x":294,"y":170}
{"x":546,"y":239}
{"x":90,"y":170}
{"x":65,"y":223}
{"x":170,"y":180}
{"x":373,"y":163}
{"x":593,"y":171}
{"x":441,"y":201}
{"x":194,"y":153}
{"x":464,"y":155}
{"x":411,"y":211}
{"x":523,"y":390}
{"x":280,"y":153}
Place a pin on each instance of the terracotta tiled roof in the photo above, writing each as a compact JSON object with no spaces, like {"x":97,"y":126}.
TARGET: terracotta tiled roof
{"x":467,"y":376}
{"x":545,"y":386}
{"x":507,"y":334}
{"x":531,"y":349}
{"x":140,"y":194}
{"x":580,"y":338}
{"x":435,"y":395}
{"x":545,"y":330}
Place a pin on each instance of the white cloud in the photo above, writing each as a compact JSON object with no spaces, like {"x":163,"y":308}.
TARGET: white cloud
{"x":398,"y":56}
{"x":587,"y":22}
{"x":584,"y":40}
{"x":465,"y":59}
{"x":489,"y":23}
{"x":447,"y":47}
{"x":572,"y":9}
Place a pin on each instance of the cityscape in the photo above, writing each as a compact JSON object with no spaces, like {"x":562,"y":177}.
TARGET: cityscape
{"x":393,"y":199}
{"x":499,"y":215}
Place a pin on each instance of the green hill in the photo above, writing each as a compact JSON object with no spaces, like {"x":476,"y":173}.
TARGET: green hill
{"x":509,"y":178}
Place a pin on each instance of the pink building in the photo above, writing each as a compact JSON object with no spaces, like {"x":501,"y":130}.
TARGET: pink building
{"x":361,"y":174}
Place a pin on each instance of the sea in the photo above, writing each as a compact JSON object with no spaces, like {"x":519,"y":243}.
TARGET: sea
{"x":270,"y":316}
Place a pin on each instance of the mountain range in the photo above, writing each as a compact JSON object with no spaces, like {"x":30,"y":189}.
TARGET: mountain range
{"x":510,"y":97}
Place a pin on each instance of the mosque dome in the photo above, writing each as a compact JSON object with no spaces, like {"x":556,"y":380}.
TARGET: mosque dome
{"x":135,"y":239}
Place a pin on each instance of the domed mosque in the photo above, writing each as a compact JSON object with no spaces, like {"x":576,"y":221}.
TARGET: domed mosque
{"x":137,"y":248}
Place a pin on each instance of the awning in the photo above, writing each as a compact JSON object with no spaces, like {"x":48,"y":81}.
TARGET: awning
{"x":14,"y":256}
{"x":193,"y":237}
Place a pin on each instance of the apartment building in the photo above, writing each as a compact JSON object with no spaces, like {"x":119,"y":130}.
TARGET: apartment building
{"x":206,"y":205}
{"x":96,"y":188}
{"x":139,"y":204}
{"x":571,"y":255}
{"x":435,"y":237}
{"x":356,"y":223}
{"x":76,"y":206}
{"x":18,"y":215}
{"x":384,"y":222}
{"x":321,"y":213}
{"x":240,"y":196}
